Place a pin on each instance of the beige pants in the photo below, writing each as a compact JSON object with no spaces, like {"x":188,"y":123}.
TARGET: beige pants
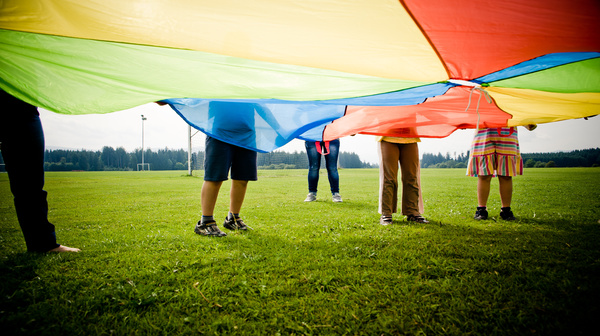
{"x":407,"y":155}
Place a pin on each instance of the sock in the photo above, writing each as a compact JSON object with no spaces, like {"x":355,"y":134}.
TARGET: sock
{"x":233,"y":215}
{"x":481,"y":208}
{"x":206,"y":219}
{"x":504,"y":209}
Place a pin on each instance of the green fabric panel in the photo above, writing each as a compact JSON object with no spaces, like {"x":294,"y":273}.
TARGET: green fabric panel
{"x":583,"y":76}
{"x":79,"y":76}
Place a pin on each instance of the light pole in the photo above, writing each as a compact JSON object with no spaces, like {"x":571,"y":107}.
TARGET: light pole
{"x":143,"y":118}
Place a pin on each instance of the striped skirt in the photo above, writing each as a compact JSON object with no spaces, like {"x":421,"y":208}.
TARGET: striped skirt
{"x":495,"y":151}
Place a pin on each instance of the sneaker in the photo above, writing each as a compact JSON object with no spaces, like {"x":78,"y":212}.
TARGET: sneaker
{"x":337,"y":197}
{"x":209,"y":229}
{"x":507,"y":215}
{"x":235,"y":224}
{"x":385,"y":220}
{"x":417,"y":218}
{"x":311,"y":197}
{"x":481,"y":214}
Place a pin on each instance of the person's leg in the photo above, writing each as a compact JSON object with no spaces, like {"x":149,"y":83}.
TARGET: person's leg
{"x":388,"y":178}
{"x":314,"y":164}
{"x":506,"y":190}
{"x":218,"y":159}
{"x":412,"y":200}
{"x":208,"y":197}
{"x":483,"y":189}
{"x":331,"y":161}
{"x":238,"y":193}
{"x":483,"y":193}
{"x":216,"y":166}
{"x":23,"y":153}
{"x":233,"y":221}
{"x":243,"y":169}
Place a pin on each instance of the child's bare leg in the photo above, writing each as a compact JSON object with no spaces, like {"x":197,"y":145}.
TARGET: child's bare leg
{"x":483,"y":189}
{"x":208,"y":196}
{"x":506,"y":190}
{"x":238,"y":193}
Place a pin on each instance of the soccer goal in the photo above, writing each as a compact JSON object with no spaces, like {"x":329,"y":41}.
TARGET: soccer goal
{"x":144,"y":166}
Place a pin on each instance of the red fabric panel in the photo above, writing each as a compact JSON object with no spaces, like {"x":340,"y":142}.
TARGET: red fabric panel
{"x":437,"y":117}
{"x":475,"y":38}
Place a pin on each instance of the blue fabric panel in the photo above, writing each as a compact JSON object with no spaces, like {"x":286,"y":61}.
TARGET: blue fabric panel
{"x":413,"y":96}
{"x":537,"y":64}
{"x":259,"y":127}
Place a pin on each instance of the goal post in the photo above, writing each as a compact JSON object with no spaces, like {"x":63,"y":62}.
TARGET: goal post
{"x":195,"y":150}
{"x":189,"y":150}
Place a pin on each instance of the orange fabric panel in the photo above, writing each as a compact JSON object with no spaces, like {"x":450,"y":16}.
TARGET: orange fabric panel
{"x":475,"y":38}
{"x":437,"y":117}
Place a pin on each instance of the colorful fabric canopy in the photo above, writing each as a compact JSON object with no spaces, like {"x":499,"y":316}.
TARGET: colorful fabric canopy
{"x":287,"y":69}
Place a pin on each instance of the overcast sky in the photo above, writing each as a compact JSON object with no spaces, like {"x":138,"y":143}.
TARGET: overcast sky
{"x":163,"y":128}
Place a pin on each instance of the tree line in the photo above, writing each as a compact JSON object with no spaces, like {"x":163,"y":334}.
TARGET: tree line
{"x":110,"y":158}
{"x":577,"y":158}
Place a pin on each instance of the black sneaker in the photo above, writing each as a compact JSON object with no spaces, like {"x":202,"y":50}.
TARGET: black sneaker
{"x":481,"y":214}
{"x":417,"y":218}
{"x":507,"y":215}
{"x":235,"y":224}
{"x":385,"y":220}
{"x":209,"y":229}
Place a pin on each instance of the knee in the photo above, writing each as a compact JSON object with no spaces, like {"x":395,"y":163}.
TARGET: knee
{"x":240,"y":182}
{"x":313,"y":168}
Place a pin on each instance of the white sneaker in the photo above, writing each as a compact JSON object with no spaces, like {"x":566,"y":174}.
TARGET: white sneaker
{"x":311,"y":197}
{"x":337,"y":197}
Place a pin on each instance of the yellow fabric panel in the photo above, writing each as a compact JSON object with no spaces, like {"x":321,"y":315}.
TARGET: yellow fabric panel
{"x":536,"y":107}
{"x":397,"y":140}
{"x":369,"y":37}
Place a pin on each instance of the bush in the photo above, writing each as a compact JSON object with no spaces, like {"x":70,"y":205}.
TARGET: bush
{"x":530,"y":163}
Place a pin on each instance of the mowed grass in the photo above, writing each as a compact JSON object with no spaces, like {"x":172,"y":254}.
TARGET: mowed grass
{"x":306,"y":268}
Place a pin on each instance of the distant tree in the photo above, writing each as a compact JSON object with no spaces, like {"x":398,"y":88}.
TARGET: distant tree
{"x":530,"y":163}
{"x":84,"y":163}
{"x":349,"y":160}
{"x":550,"y":164}
{"x":108,"y":156}
{"x":121,"y":158}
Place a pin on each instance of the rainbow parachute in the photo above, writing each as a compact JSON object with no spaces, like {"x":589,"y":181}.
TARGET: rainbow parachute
{"x":261,"y":73}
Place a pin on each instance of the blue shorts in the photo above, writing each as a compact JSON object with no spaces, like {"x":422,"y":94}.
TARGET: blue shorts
{"x":220,"y":157}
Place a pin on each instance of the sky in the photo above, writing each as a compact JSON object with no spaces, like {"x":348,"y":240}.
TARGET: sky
{"x":163,"y":128}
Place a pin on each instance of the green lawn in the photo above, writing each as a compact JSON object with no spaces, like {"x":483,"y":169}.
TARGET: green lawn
{"x":307,"y":268}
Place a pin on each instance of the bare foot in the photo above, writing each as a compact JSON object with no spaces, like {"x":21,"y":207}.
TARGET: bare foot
{"x":63,"y":248}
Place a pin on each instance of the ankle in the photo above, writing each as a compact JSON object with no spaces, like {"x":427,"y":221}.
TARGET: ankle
{"x":206,"y":219}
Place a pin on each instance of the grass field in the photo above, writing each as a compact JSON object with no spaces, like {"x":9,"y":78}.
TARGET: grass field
{"x":307,"y":268}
